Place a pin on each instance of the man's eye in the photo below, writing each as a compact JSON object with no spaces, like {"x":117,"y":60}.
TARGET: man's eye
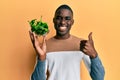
{"x":61,"y":18}
{"x":58,"y":18}
{"x":67,"y":18}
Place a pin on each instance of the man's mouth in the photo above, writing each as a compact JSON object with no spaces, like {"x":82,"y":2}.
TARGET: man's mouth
{"x":62,"y":28}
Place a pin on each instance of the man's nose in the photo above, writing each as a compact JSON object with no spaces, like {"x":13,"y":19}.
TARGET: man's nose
{"x":63,"y":21}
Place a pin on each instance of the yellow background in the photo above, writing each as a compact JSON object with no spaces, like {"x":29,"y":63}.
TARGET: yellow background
{"x":17,"y":56}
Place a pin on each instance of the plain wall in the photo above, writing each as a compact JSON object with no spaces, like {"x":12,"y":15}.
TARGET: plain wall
{"x":17,"y":56}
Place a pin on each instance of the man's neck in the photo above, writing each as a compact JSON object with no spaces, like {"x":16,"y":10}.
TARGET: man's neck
{"x":62,"y":37}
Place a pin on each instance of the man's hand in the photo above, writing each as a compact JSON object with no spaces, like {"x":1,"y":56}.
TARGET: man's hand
{"x":40,"y":48}
{"x":87,"y":46}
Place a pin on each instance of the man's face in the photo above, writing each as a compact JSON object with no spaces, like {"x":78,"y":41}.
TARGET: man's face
{"x":63,"y":21}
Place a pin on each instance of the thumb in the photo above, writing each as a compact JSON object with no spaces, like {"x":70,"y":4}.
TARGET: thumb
{"x":44,"y":38}
{"x":90,"y":37}
{"x":44,"y":44}
{"x":44,"y":41}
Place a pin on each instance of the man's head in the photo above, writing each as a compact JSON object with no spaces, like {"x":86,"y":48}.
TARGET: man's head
{"x":64,"y":6}
{"x":63,"y":20}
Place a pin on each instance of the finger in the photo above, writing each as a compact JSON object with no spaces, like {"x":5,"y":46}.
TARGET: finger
{"x":31,"y":36}
{"x":44,"y":40}
{"x":44,"y":44}
{"x":82,"y":44}
{"x":44,"y":37}
{"x":90,"y":37}
{"x":35,"y":36}
{"x":85,"y":51}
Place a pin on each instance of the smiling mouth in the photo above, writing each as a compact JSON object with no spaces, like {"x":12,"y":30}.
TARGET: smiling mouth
{"x":62,"y":28}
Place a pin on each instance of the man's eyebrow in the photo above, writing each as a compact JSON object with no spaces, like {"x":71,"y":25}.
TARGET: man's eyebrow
{"x":58,"y":16}
{"x":67,"y":16}
{"x":64,"y":17}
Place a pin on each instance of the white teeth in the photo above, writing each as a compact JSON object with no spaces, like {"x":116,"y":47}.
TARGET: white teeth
{"x":63,"y":28}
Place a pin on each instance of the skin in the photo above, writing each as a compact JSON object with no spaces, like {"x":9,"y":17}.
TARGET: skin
{"x":63,"y":18}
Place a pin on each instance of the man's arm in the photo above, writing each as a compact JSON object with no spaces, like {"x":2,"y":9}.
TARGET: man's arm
{"x":95,"y":67}
{"x":39,"y":71}
{"x":97,"y":71}
{"x":92,"y":62}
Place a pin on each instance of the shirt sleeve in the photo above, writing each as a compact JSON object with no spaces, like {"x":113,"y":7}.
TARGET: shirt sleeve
{"x":97,"y":69}
{"x":39,"y":71}
{"x":94,"y":67}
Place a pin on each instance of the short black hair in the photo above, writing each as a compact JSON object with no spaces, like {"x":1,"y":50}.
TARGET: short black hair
{"x":64,"y":6}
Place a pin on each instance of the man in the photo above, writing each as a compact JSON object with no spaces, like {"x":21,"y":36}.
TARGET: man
{"x":61,"y":55}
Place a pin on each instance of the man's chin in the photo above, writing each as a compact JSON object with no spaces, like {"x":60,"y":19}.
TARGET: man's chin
{"x":62,"y":33}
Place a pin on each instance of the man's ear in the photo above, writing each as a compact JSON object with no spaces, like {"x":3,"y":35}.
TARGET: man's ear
{"x":54,"y":20}
{"x":72,"y":21}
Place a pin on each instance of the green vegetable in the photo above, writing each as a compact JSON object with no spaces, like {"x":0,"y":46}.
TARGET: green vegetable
{"x":39,"y":27}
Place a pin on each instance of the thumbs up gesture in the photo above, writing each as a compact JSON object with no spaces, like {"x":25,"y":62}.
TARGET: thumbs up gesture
{"x":87,"y":46}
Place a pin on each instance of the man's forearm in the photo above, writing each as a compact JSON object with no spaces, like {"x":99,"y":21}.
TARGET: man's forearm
{"x":97,"y":69}
{"x":39,"y":71}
